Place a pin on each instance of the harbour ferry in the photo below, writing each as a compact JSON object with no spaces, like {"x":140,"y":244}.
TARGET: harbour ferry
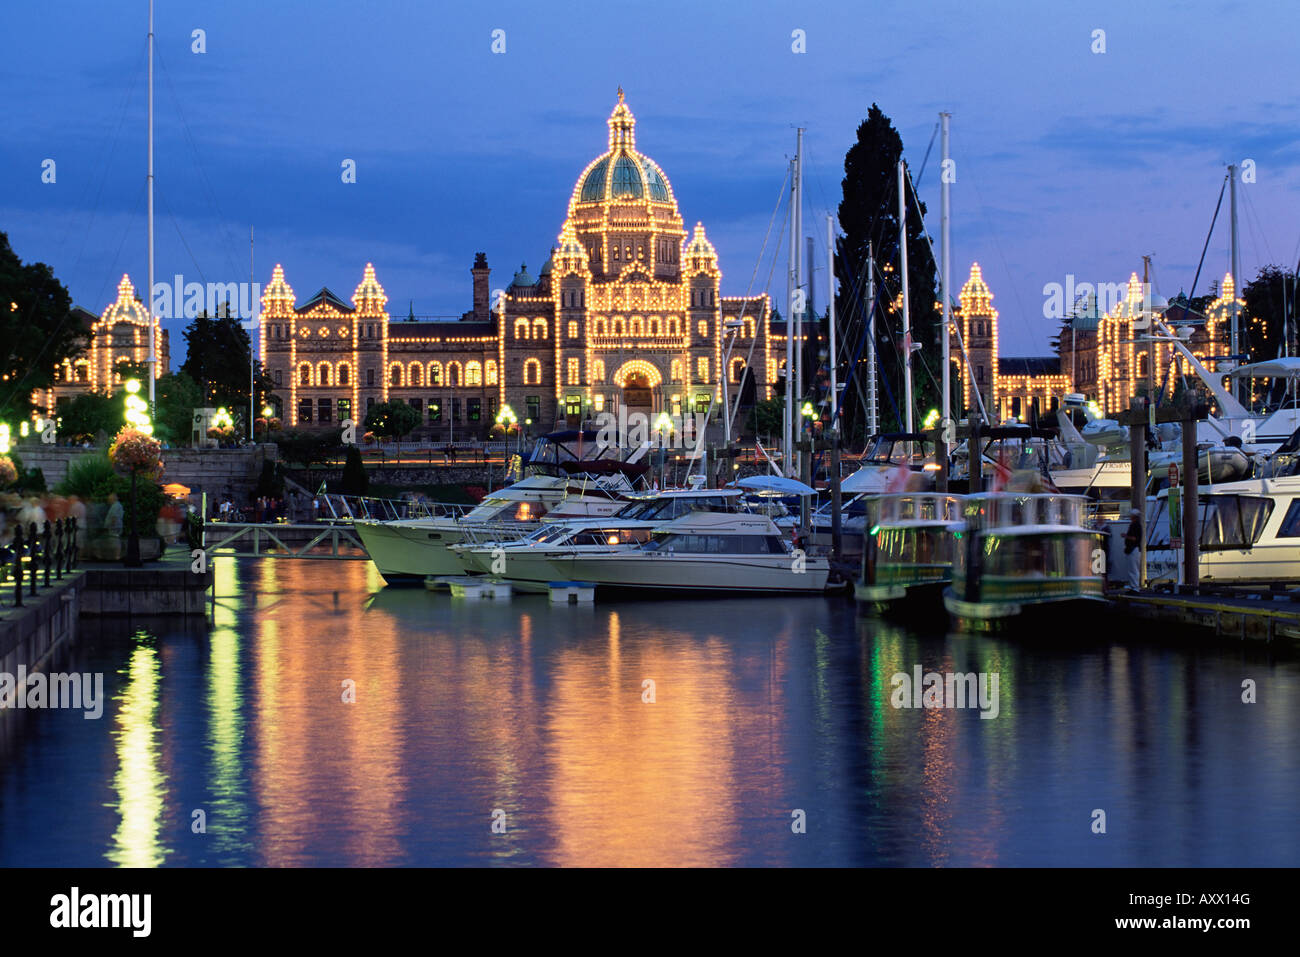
{"x":1024,"y":558}
{"x":907,"y":559}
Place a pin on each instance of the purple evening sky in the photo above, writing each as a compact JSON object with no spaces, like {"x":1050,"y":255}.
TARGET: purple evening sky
{"x":1068,"y":161}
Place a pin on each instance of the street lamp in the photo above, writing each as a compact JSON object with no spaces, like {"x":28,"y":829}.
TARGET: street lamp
{"x":507,"y":419}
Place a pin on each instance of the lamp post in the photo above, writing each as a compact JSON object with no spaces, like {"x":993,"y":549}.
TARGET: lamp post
{"x":137,"y":416}
{"x":507,"y":420}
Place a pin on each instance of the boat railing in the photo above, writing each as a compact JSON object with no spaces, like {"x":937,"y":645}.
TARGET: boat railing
{"x":918,"y":507}
{"x":1007,"y":509}
{"x":485,"y":533}
{"x":350,"y":508}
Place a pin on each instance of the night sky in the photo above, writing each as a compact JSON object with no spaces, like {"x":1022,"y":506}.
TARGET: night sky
{"x":1068,"y":161}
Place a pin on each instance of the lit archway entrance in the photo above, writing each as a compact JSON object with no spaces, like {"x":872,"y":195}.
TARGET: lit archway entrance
{"x":640,"y":381}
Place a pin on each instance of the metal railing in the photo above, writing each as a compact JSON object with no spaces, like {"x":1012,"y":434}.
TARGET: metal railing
{"x":267,"y":541}
{"x":349,"y":508}
{"x":35,"y":557}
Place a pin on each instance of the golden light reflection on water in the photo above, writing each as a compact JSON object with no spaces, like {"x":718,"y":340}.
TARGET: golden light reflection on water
{"x":311,"y":743}
{"x":139,"y":782}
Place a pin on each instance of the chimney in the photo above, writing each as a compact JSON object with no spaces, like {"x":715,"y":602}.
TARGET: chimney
{"x":481,"y":274}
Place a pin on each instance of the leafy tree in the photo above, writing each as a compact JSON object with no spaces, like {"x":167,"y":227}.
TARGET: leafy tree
{"x":767,"y":416}
{"x":176,"y":396}
{"x":868,"y":215}
{"x":392,"y":419}
{"x":355,"y":479}
{"x":1267,"y":317}
{"x":37,"y":330}
{"x":217,"y":359}
{"x":85,"y":416}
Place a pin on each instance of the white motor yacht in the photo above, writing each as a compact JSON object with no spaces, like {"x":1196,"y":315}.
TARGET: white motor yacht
{"x":702,"y":552}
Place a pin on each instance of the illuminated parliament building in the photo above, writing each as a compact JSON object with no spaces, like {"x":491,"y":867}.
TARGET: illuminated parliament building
{"x":626,"y":311}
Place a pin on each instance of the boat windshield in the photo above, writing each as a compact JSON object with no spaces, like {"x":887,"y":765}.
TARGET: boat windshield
{"x":608,"y":536}
{"x":690,"y":544}
{"x":1227,"y":522}
{"x":505,"y":510}
{"x":1039,"y":556}
{"x":892,"y":450}
{"x":673,"y":506}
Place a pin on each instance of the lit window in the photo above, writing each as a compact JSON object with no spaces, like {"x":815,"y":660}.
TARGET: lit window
{"x":573,"y":330}
{"x":539,"y":328}
{"x":703,"y":329}
{"x":532,"y":372}
{"x":597,"y":370}
{"x":521,"y":329}
{"x":491,"y":372}
{"x":573,"y":369}
{"x":702,"y":368}
{"x":473,"y":373}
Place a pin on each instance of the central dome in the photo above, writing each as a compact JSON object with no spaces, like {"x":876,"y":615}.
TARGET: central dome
{"x":622,"y":174}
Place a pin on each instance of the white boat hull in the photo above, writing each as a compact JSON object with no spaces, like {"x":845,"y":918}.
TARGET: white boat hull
{"x":412,"y":550}
{"x":695,"y":573}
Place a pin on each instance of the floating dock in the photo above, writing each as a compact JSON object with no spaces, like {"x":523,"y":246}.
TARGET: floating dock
{"x":1249,"y":618}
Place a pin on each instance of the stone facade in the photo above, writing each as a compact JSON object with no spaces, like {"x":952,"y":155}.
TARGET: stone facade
{"x":627,"y":311}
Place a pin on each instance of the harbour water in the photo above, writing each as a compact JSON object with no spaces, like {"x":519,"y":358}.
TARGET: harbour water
{"x":538,"y":719}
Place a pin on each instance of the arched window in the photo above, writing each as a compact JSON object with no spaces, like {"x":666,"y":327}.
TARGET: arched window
{"x":674,"y":326}
{"x":675,"y":370}
{"x":597,"y":370}
{"x":521,"y":328}
{"x":771,"y":370}
{"x":539,"y":328}
{"x":395,"y":374}
{"x":435,"y":373}
{"x":656,"y":327}
{"x":620,"y":328}
{"x":532,"y":372}
{"x":304,"y":373}
{"x":490,"y":376}
{"x":638,"y":326}
{"x":345,"y":374}
{"x":599,"y":326}
{"x":453,"y":374}
{"x":414,"y":373}
{"x":323,"y":374}
{"x":473,"y":373}
{"x":737,"y":369}
{"x":749,"y":328}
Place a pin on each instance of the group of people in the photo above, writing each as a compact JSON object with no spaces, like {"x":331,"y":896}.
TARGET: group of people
{"x":26,"y":511}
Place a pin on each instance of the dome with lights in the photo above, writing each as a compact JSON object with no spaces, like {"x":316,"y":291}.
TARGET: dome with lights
{"x":622,"y":174}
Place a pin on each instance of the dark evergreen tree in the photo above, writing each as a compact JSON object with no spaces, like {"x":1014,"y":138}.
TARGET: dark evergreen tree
{"x":217,"y":357}
{"x":355,"y":479}
{"x":868,"y":215}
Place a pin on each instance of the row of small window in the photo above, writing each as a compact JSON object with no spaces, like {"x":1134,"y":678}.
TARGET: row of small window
{"x":414,"y":374}
{"x":369,"y":330}
{"x":323,"y":409}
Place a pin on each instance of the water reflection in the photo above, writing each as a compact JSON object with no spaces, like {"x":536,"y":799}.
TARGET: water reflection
{"x":538,"y":717}
{"x":139,"y":780}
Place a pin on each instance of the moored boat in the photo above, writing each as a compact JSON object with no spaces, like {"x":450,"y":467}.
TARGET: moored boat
{"x":1025,"y":558}
{"x":908,"y":557}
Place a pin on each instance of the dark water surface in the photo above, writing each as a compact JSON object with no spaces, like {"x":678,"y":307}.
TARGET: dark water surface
{"x":762,"y":707}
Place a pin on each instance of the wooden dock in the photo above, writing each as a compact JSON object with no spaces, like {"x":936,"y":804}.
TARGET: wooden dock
{"x":1247,"y":618}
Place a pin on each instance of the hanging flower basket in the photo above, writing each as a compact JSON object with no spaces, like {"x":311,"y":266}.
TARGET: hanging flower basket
{"x":133,"y":451}
{"x":8,"y":471}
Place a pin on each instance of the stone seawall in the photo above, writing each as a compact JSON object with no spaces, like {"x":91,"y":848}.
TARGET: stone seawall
{"x":201,"y":470}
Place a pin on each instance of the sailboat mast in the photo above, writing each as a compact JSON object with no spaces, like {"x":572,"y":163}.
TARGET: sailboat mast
{"x":787,"y":442}
{"x":252,"y":354}
{"x":944,"y":277}
{"x":873,"y":409}
{"x":907,"y":321}
{"x":830,"y":316}
{"x":148,"y":297}
{"x":1236,"y":278}
{"x":798,"y":286}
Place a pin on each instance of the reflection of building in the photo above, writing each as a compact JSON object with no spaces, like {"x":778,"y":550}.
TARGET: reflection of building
{"x":626,"y":311}
{"x":119,"y":337}
{"x":1101,"y":357}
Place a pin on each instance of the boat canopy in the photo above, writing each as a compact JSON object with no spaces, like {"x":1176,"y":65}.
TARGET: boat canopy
{"x":1283,"y":367}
